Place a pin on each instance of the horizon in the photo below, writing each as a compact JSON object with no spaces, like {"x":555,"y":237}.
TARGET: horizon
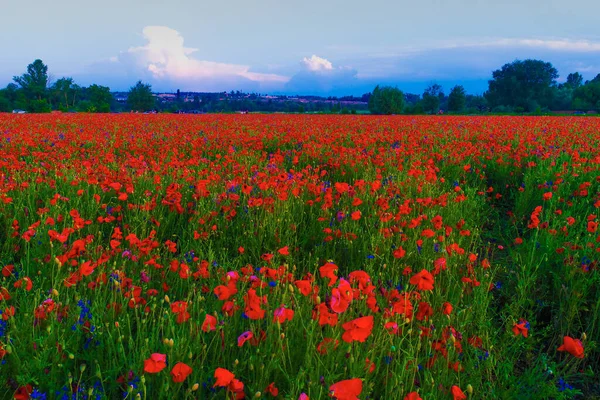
{"x":344,"y":49}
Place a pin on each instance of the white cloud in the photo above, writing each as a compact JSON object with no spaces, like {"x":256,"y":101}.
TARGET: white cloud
{"x":164,"y":56}
{"x":316,"y":63}
{"x":565,"y":45}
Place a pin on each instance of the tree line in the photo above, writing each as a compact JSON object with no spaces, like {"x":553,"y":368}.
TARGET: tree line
{"x":521,"y":86}
{"x":34,"y":92}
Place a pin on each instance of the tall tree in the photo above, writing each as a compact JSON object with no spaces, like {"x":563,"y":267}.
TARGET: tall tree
{"x":524,"y":84}
{"x":100,"y":98}
{"x":574,"y":80}
{"x":140,"y":97}
{"x":64,"y":92}
{"x":386,"y":100}
{"x":432,"y":97}
{"x":34,"y":81}
{"x":587,"y":97}
{"x":457,"y":99}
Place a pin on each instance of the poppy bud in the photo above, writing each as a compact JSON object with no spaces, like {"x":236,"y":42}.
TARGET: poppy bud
{"x":82,"y":368}
{"x":190,"y":355}
{"x":469,"y":389}
{"x":54,"y":292}
{"x":90,"y":392}
{"x":291,"y":288}
{"x":251,"y":367}
{"x":171,"y":342}
{"x":167,"y":298}
{"x":318,"y":300}
{"x":283,"y":335}
{"x":236,"y":362}
{"x":583,"y":336}
{"x":195,"y":387}
{"x":257,"y":395}
{"x":71,"y":356}
{"x":143,"y":379}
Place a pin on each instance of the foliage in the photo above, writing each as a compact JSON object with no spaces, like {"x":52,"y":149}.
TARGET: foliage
{"x":386,"y":100}
{"x":432,"y":97}
{"x":34,"y":81}
{"x":587,"y":97}
{"x":527,"y":84}
{"x":140,"y":97}
{"x":457,"y":99}
{"x":64,"y":93}
{"x":100,"y":98}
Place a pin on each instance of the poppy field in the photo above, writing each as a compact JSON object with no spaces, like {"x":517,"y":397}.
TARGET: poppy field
{"x":299,"y":257}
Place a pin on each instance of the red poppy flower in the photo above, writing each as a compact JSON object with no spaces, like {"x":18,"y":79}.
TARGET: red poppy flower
{"x":244,"y":337}
{"x":358,"y":329}
{"x":572,"y":346}
{"x":156,"y":363}
{"x":304,"y":286}
{"x":283,"y":314}
{"x":423,"y":280}
{"x":399,"y":252}
{"x":341,"y":297}
{"x":23,"y":392}
{"x":457,"y":393}
{"x":328,"y":271}
{"x":272,"y":390}
{"x":209,"y":324}
{"x":180,"y":372}
{"x":412,"y":396}
{"x":447,"y":308}
{"x":284,"y":251}
{"x":223,"y":377}
{"x":346,"y":390}
{"x":521,"y":329}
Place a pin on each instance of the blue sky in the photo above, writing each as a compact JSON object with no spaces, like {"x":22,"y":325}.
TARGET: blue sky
{"x":326,"y":47}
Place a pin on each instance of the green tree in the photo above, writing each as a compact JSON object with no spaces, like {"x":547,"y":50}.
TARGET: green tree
{"x":64,"y":91}
{"x":432,"y":97}
{"x":140,"y":97}
{"x":34,"y":81}
{"x":33,"y":85}
{"x":574,"y":80}
{"x":457,"y":99}
{"x":386,"y":100}
{"x":5,"y":105}
{"x":526,"y":85}
{"x":100,"y":98}
{"x":587,"y":97}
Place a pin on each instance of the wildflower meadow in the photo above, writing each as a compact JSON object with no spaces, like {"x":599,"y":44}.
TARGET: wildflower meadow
{"x":299,"y":257}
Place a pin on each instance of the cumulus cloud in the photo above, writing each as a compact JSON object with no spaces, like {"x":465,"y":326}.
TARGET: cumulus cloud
{"x":320,"y":76}
{"x":166,"y":62}
{"x":316,"y":63}
{"x":165,"y":56}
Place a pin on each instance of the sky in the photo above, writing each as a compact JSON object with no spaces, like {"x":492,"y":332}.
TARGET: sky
{"x":321,"y":47}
